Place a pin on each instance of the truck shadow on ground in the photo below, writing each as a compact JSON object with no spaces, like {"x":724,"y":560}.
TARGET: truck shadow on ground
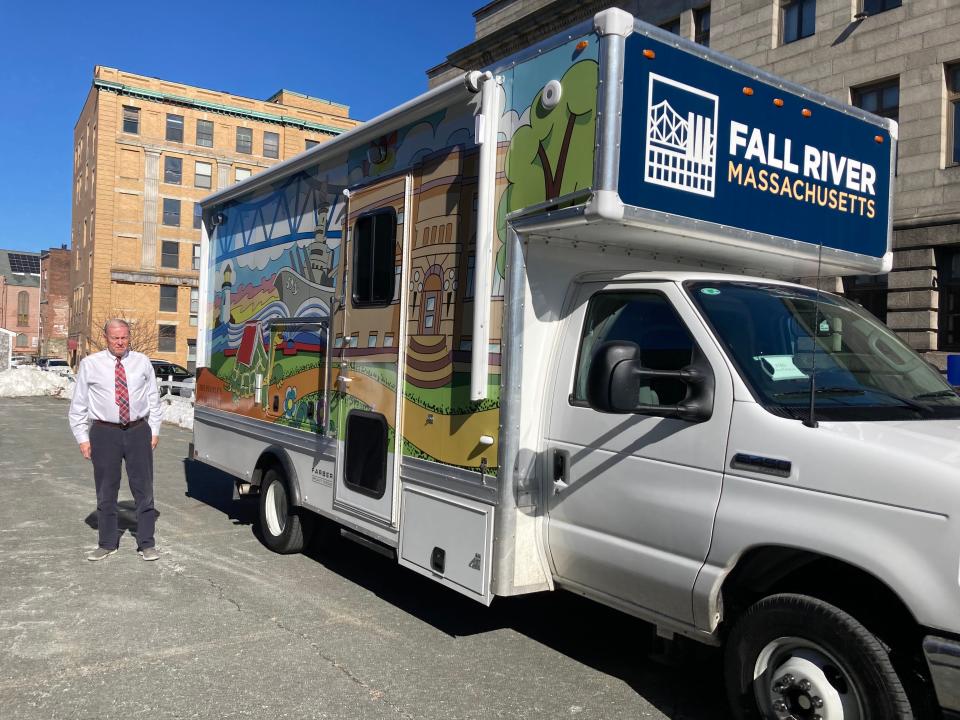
{"x":686,"y":684}
{"x":682,"y":681}
{"x":126,"y":519}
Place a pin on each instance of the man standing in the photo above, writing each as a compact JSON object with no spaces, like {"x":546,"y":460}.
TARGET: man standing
{"x":115,"y":416}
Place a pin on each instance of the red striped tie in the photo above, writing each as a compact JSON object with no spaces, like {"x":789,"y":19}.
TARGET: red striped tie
{"x":123,"y":399}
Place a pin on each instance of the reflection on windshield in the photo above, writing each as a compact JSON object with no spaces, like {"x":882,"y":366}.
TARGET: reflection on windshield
{"x":779,"y":335}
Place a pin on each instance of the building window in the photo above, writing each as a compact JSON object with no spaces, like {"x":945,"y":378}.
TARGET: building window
{"x":22,"y":340}
{"x":194,"y":305}
{"x":192,"y":355}
{"x":197,"y":218}
{"x":271,"y":145}
{"x":310,"y":143}
{"x":168,"y":298}
{"x":798,"y":19}
{"x":242,"y":174}
{"x":171,"y":212}
{"x":870,"y":291}
{"x":948,"y":284}
{"x":388,"y":340}
{"x":172,"y":170}
{"x":23,"y":308}
{"x":673,"y":26}
{"x":196,"y":254}
{"x":203,"y":172}
{"x":471,"y":272}
{"x":872,"y":7}
{"x":953,"y":98}
{"x":170,"y":254}
{"x":701,"y":26}
{"x":374,"y":256}
{"x":882,"y":98}
{"x":372,"y":340}
{"x":204,"y":133}
{"x":175,"y":128}
{"x":167,"y":338}
{"x":244,"y":140}
{"x":131,"y":120}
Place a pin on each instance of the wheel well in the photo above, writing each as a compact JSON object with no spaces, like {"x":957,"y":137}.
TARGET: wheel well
{"x":274,"y":458}
{"x":770,"y":570}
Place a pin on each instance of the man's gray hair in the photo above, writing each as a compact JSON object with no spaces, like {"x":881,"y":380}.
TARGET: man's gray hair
{"x":115,"y":321}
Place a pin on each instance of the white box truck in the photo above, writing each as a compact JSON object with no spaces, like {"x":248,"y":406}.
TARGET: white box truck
{"x":536,"y":329}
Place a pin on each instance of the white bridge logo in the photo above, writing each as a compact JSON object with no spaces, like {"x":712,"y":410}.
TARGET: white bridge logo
{"x":681,"y":136}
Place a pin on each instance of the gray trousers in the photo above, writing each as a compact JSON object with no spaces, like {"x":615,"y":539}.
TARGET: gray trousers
{"x":109,"y":447}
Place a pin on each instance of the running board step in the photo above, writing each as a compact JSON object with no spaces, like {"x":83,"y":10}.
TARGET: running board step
{"x":368,"y":543}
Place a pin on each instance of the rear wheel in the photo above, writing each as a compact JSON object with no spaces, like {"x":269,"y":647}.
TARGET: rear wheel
{"x":284,"y":528}
{"x":793,"y":656}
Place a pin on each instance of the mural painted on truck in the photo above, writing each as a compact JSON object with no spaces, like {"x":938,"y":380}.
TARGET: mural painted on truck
{"x":278,"y":256}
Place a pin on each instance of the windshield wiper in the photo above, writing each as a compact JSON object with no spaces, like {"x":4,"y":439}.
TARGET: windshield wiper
{"x":821,"y":391}
{"x":907,"y":402}
{"x":935,"y":394}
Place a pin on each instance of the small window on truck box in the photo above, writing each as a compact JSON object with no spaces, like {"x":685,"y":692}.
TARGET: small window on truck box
{"x":374,"y":258}
{"x":366,"y":453}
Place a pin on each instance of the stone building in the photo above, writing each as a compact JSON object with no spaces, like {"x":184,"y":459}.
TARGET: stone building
{"x":54,"y":301}
{"x":145,"y":152}
{"x":20,"y":300}
{"x":897,"y":59}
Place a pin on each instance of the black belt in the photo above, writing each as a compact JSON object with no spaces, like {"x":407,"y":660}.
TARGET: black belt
{"x":122,"y":426}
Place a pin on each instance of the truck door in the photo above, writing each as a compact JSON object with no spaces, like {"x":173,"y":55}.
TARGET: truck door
{"x":632,"y":498}
{"x":369,"y":345}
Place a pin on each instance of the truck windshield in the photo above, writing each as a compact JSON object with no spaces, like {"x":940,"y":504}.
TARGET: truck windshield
{"x":778,"y":335}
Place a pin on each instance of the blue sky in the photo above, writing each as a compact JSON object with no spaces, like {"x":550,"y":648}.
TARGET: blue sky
{"x":370,"y":55}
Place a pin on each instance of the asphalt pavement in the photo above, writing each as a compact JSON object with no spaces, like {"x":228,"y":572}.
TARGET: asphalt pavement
{"x":220,"y":627}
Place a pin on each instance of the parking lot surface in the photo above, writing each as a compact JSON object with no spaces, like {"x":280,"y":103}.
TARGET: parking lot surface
{"x":221,"y":627}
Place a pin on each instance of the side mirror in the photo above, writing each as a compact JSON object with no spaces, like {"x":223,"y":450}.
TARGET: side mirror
{"x":616,"y":379}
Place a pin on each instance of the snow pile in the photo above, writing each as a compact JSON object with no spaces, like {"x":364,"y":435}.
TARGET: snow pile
{"x":177,"y":411}
{"x":31,"y":381}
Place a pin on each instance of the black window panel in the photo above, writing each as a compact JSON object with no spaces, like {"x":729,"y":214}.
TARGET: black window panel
{"x":170,"y":254}
{"x":948,"y":285}
{"x":175,"y":128}
{"x":244,"y":140}
{"x":880,"y":98}
{"x":204,"y":133}
{"x":374,"y":258}
{"x":872,"y":7}
{"x":171,"y":212}
{"x":955,"y":110}
{"x":869,"y":291}
{"x":798,"y":18}
{"x":131,"y":120}
{"x":672,"y":26}
{"x":701,"y":23}
{"x":365,"y":470}
{"x":310,"y":143}
{"x":167,"y":338}
{"x":168,"y":298}
{"x":172,"y":170}
{"x":197,"y":222}
{"x":271,"y":144}
{"x":648,"y":320}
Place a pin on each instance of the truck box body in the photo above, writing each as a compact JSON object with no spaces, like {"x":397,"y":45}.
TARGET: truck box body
{"x":405,"y":323}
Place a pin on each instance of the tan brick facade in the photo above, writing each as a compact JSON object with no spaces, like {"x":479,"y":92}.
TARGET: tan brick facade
{"x":145,"y":152}
{"x":54,"y":302}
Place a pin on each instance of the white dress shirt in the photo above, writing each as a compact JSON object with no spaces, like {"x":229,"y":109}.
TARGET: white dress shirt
{"x":94,"y":397}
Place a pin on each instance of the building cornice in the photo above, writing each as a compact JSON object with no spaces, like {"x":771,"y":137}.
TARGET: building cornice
{"x":153,"y":95}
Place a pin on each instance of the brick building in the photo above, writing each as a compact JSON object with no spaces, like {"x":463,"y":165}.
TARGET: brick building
{"x":145,"y":152}
{"x":54,"y":301}
{"x":20,"y":299}
{"x":897,"y":59}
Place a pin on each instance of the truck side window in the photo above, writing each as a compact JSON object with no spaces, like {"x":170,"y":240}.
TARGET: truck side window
{"x":374,"y":258}
{"x":647,"y":319}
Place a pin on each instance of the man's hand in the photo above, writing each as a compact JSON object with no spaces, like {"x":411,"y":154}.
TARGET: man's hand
{"x":154,"y":442}
{"x":85,"y":450}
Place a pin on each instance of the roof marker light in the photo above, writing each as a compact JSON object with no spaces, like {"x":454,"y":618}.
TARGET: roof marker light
{"x":649,"y":54}
{"x":878,"y":139}
{"x":806,"y":112}
{"x":582,"y":45}
{"x":748,"y":91}
{"x":778,"y":102}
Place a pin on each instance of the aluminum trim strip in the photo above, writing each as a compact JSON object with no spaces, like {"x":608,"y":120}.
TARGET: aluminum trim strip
{"x":465,"y":483}
{"x":943,"y":658}
{"x":289,"y":438}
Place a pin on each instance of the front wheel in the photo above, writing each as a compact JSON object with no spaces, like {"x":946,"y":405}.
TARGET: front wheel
{"x":793,"y":656}
{"x":284,"y":528}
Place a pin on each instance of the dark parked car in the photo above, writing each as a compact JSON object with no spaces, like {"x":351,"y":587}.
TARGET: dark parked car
{"x":167,"y":370}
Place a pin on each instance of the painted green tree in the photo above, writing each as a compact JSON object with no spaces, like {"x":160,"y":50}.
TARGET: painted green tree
{"x":553,"y":155}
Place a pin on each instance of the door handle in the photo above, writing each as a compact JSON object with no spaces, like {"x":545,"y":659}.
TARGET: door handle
{"x":561,"y":467}
{"x":344,"y":382}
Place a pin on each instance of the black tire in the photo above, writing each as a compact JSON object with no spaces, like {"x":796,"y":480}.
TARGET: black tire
{"x":284,"y":528}
{"x":803,"y":651}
